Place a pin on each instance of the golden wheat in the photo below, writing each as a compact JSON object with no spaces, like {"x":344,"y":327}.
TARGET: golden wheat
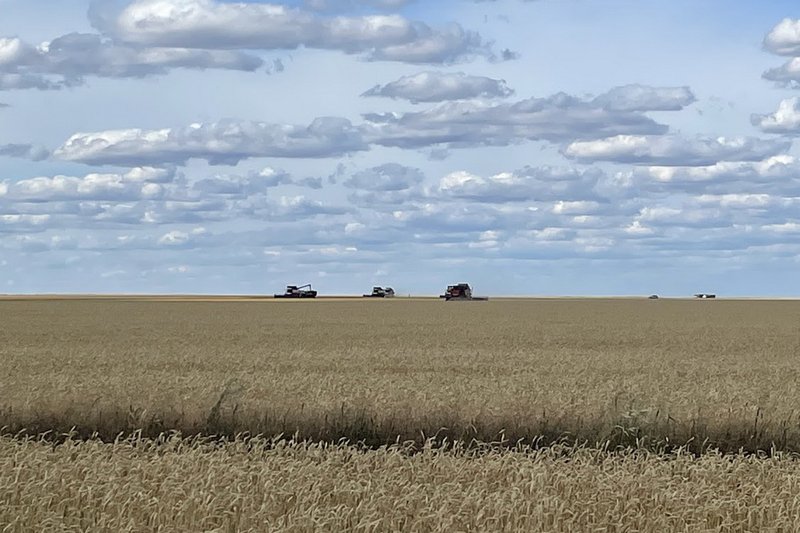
{"x":606,"y":370}
{"x":687,"y":379}
{"x":184,"y":485}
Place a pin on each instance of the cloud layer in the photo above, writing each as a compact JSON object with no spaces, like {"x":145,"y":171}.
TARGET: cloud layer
{"x":577,"y":165}
{"x":558,"y":118}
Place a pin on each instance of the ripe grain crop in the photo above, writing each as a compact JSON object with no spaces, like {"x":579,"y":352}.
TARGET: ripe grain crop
{"x":261,"y":485}
{"x":634,"y":373}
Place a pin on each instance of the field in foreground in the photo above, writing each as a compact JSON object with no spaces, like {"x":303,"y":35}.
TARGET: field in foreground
{"x":653,"y":391}
{"x":178,"y":485}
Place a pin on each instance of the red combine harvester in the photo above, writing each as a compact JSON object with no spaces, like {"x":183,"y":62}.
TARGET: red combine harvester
{"x":293,"y":291}
{"x":461,"y":293}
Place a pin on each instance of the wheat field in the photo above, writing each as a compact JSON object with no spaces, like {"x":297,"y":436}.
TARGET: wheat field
{"x":418,"y":415}
{"x":725,"y":372}
{"x":180,"y":485}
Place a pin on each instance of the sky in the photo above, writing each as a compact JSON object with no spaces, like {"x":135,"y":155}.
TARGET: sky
{"x":527,"y":147}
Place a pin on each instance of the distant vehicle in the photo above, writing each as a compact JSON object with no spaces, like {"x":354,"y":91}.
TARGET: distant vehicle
{"x":380,"y":292}
{"x":293,"y":291}
{"x":653,"y":297}
{"x":461,"y":292}
{"x":705,"y":296}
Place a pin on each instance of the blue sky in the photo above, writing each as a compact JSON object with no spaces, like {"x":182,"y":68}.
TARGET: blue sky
{"x":527,"y":147}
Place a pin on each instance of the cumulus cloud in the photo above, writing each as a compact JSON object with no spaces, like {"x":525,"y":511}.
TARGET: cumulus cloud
{"x":787,"y":75}
{"x":644,"y":98}
{"x":225,"y":142}
{"x":284,"y":207}
{"x":136,"y":184}
{"x":388,"y":177}
{"x":182,"y":239}
{"x":210,"y":24}
{"x":22,"y":223}
{"x":67,"y":60}
{"x":557,"y":118}
{"x":527,"y":184}
{"x":671,"y":150}
{"x":444,"y":46}
{"x":441,"y":86}
{"x":150,"y":174}
{"x":779,"y":174}
{"x":253,"y":183}
{"x":343,"y":5}
{"x":785,"y":120}
{"x":683,"y":216}
{"x":784,"y":38}
{"x":24,"y":151}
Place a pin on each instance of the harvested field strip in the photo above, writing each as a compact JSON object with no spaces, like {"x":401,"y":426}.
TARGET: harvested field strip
{"x":185,"y":485}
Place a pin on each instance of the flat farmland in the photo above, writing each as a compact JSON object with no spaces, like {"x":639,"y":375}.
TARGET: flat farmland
{"x":722,"y":371}
{"x":404,"y":414}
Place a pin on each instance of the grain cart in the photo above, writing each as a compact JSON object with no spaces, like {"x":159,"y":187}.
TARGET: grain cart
{"x":293,"y":291}
{"x":461,"y":292}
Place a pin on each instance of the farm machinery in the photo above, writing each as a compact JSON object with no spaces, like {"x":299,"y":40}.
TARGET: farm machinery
{"x":293,"y":291}
{"x":461,"y":292}
{"x":380,"y":292}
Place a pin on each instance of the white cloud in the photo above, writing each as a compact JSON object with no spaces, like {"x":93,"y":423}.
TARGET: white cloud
{"x":150,"y":174}
{"x":181,"y":238}
{"x":785,"y":120}
{"x":138,"y":183}
{"x":674,"y":150}
{"x":530,"y":183}
{"x":238,"y":186}
{"x":24,"y":219}
{"x":558,"y":118}
{"x":644,"y":98}
{"x":432,"y":86}
{"x":387,"y":177}
{"x":67,"y":60}
{"x":340,"y":5}
{"x":787,"y":75}
{"x":209,"y":24}
{"x":580,"y":207}
{"x":456,"y":124}
{"x":225,"y":142}
{"x":784,"y":38}
{"x":780,"y":174}
{"x":174,"y":238}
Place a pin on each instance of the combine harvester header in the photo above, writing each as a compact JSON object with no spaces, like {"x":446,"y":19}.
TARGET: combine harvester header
{"x":461,"y":292}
